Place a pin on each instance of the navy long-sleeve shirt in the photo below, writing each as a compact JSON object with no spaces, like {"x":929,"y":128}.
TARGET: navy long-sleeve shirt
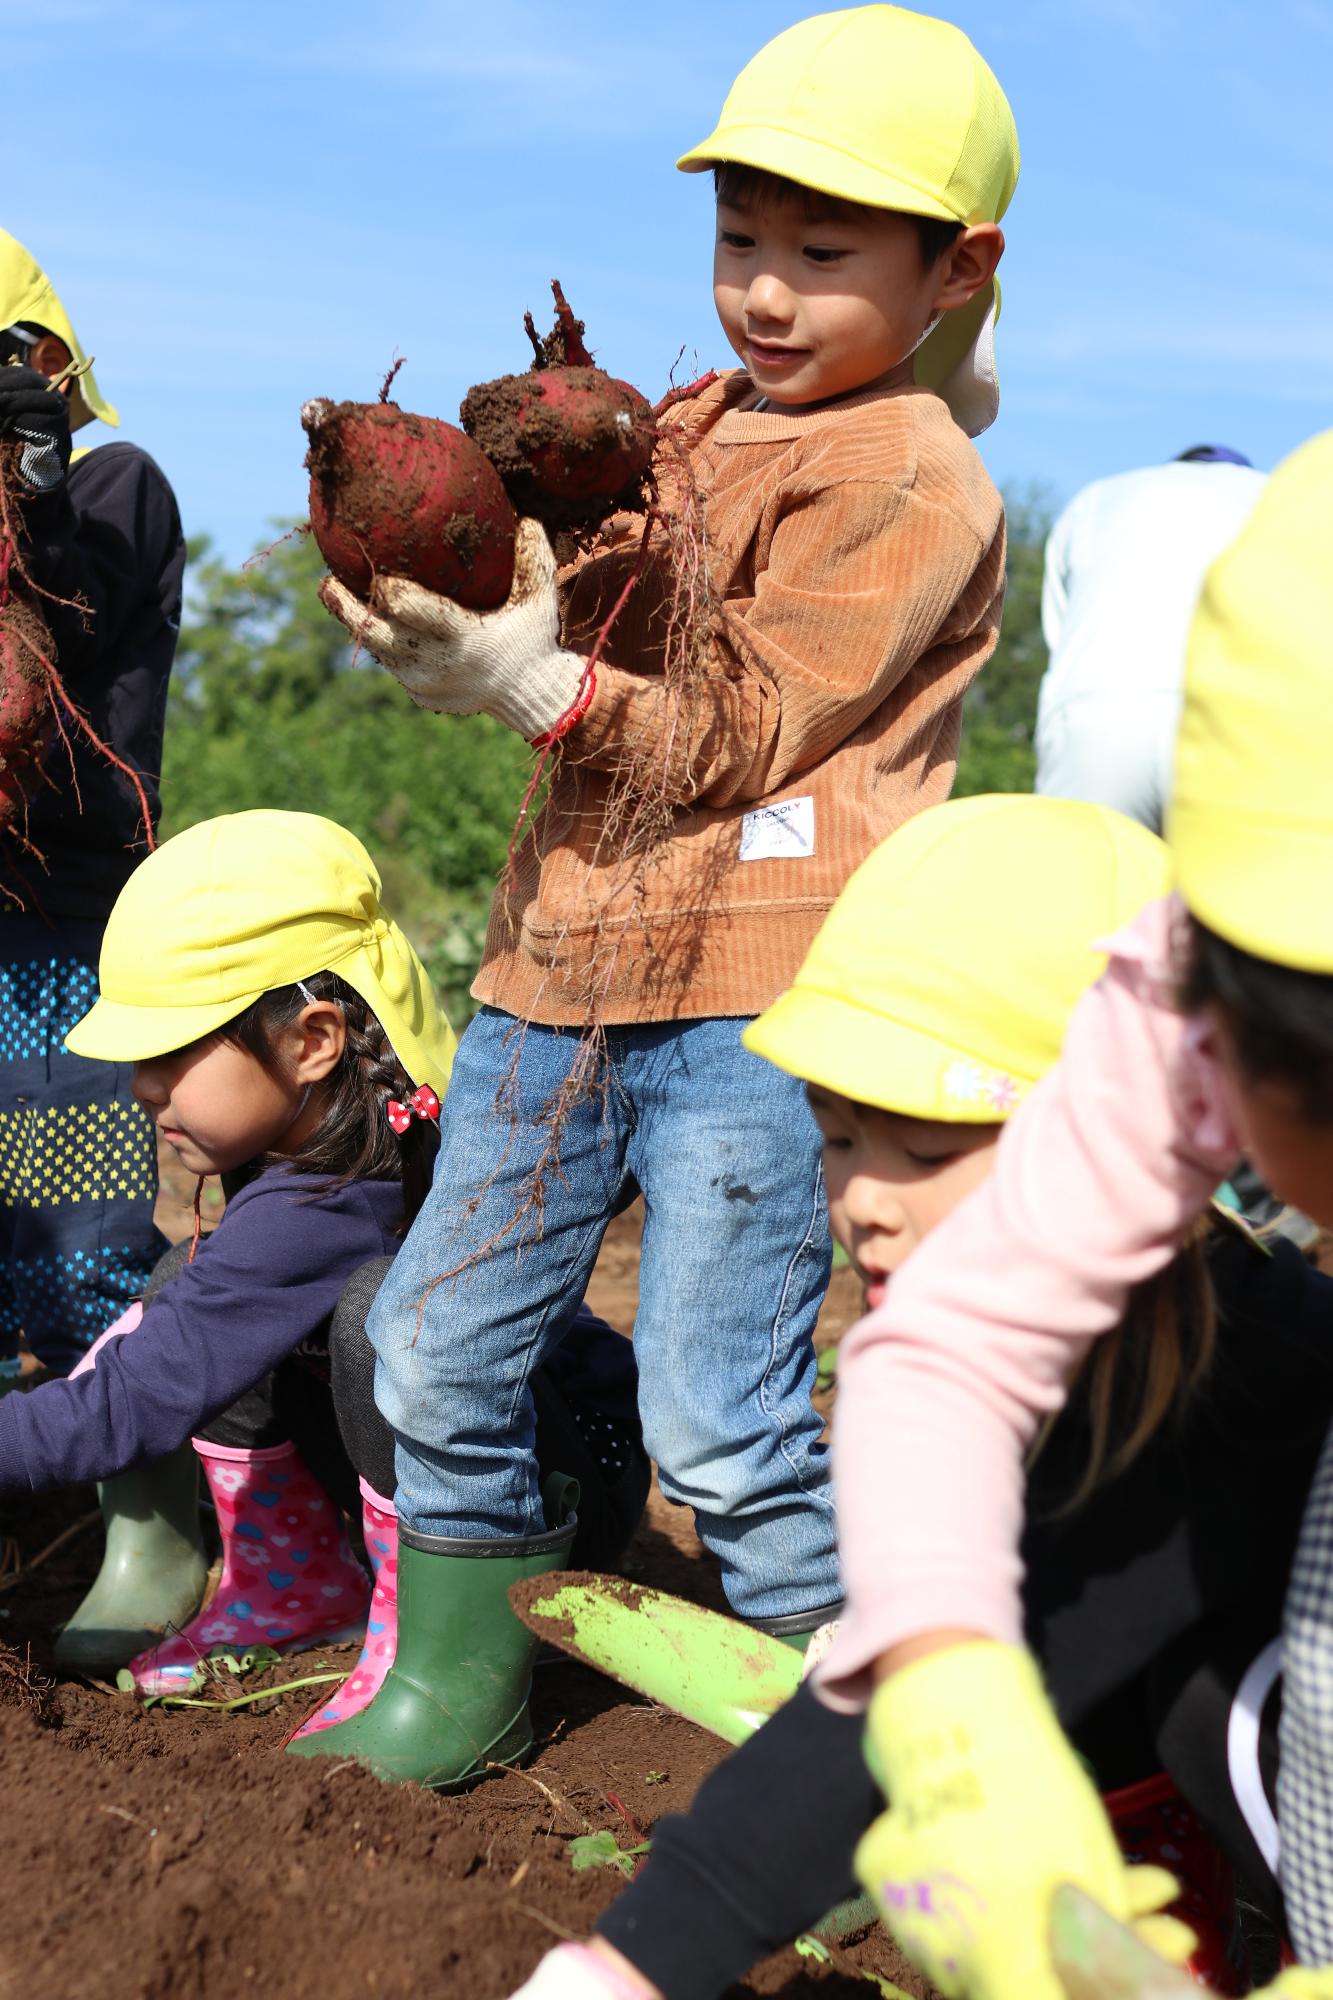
{"x":267,"y":1278}
{"x":109,"y":536}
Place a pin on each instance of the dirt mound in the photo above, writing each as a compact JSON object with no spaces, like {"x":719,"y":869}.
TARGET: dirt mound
{"x":172,"y":1854}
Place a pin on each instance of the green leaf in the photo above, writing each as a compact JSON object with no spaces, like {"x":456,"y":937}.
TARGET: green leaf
{"x":601,"y":1850}
{"x":255,"y":1657}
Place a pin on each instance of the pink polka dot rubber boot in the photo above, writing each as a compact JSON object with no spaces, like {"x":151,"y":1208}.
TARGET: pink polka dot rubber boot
{"x":380,"y":1524}
{"x":289,"y":1578}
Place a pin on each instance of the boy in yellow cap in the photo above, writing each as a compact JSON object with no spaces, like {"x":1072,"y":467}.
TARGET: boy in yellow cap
{"x":1209,"y":1035}
{"x":855,"y":559}
{"x":100,"y":535}
{"x":929,"y":1007}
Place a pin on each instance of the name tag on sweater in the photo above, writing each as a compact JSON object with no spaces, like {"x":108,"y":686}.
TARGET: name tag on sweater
{"x":785,"y":831}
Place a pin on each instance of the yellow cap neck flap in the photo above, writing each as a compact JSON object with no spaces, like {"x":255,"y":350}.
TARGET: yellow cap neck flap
{"x":27,"y":295}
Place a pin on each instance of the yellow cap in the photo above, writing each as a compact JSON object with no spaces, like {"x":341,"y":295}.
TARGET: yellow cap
{"x":942,"y":979}
{"x":1250,"y":824}
{"x":27,"y":295}
{"x":236,"y":906}
{"x":892,"y":109}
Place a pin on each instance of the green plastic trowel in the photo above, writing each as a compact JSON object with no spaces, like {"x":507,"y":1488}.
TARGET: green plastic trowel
{"x":725,"y":1676}
{"x":1098,"y":1959}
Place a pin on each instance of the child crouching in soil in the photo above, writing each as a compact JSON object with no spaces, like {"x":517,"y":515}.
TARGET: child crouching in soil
{"x":855,"y":559}
{"x":1209,"y":1036}
{"x":284,"y":1034}
{"x":1164,"y":1504}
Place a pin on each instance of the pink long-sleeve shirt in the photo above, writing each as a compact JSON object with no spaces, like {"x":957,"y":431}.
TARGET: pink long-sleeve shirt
{"x":943,"y":1387}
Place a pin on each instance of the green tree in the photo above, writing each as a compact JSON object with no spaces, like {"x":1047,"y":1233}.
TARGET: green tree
{"x":270,"y":706}
{"x":1001,"y":708}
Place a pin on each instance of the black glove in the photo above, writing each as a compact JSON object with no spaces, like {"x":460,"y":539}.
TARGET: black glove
{"x":36,"y":414}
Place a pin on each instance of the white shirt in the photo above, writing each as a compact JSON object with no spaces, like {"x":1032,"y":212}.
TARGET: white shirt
{"x":1124,"y":565}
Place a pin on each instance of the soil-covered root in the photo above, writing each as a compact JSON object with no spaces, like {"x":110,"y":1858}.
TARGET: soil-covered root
{"x":27,"y":720}
{"x":23,"y":1686}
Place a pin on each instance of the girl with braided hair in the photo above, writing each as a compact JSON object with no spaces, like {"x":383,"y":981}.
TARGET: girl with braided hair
{"x":283,"y":1034}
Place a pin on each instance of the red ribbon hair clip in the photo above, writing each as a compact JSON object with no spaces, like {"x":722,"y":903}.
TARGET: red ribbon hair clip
{"x":423,"y":1103}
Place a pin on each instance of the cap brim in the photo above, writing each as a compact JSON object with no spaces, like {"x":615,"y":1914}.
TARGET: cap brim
{"x":1248,"y":879}
{"x":112,"y":1032}
{"x":815,"y":164}
{"x":88,"y":404}
{"x":826,"y":1039}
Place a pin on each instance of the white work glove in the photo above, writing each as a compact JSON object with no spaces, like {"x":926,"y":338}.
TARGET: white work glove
{"x":507,"y":663}
{"x":573,"y":1972}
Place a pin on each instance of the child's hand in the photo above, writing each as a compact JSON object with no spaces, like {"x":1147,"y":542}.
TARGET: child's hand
{"x":586,"y":1972}
{"x":507,"y":663}
{"x":990,"y":1812}
{"x":35,"y":414}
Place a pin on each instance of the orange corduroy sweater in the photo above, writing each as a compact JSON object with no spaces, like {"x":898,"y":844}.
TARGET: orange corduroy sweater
{"x":856,"y":555}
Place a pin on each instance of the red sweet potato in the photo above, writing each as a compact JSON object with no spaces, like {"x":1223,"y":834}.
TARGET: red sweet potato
{"x":569,"y":441}
{"x":27,"y":721}
{"x":393,"y":494}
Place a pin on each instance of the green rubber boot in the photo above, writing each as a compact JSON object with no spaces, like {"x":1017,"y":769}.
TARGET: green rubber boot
{"x":154,"y":1569}
{"x":798,"y":1628}
{"x":456,"y":1697}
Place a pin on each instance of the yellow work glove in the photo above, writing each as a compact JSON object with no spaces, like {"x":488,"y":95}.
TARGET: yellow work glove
{"x":1097,"y":1959}
{"x":989,"y":1812}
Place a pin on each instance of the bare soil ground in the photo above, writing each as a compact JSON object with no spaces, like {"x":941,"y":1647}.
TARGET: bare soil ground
{"x":178,"y":1855}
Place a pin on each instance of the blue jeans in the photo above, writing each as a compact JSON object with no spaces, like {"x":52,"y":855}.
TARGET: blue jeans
{"x":734,"y":1267}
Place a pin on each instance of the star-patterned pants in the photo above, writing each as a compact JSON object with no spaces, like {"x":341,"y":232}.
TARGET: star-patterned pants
{"x":78,"y":1165}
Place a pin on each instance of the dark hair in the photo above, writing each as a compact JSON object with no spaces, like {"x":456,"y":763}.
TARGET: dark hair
{"x":354,"y":1140}
{"x":1280,"y":1019}
{"x":1213,"y":454}
{"x":754,"y":186}
{"x":1145,"y":1371}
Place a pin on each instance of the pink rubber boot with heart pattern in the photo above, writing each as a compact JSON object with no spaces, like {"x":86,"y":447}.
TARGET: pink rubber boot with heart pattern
{"x":289,"y":1578}
{"x":380,"y":1525}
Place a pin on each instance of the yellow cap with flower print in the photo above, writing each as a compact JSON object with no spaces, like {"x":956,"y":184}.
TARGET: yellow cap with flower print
{"x":941,"y":981}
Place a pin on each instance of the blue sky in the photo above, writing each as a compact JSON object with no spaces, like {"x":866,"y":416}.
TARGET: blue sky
{"x":244,"y":205}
